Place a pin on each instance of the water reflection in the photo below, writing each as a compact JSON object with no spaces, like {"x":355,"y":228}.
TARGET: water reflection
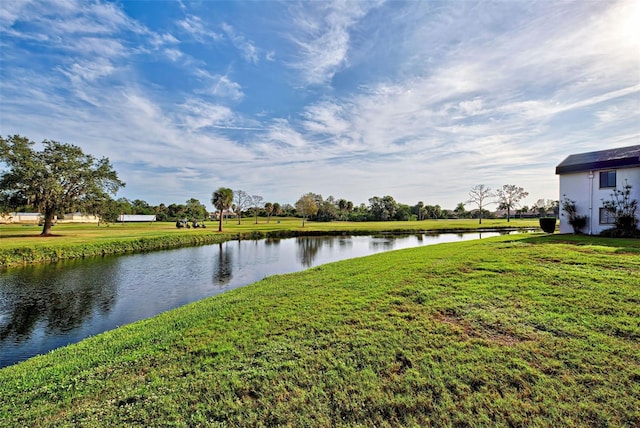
{"x":223,"y":265}
{"x":383,"y":243}
{"x":308,"y":248}
{"x":272,"y":241}
{"x":55,"y":298}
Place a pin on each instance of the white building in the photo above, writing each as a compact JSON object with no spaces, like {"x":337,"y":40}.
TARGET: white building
{"x":79,"y":218}
{"x":24,"y":218}
{"x":589,"y":178}
{"x":132,"y":218}
{"x":36,"y":218}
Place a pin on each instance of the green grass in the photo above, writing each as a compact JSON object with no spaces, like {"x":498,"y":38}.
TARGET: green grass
{"x":532,"y":331}
{"x":20,"y":244}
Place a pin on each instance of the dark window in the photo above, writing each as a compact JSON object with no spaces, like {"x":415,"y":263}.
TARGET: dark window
{"x":607,"y":179}
{"x":606,"y":217}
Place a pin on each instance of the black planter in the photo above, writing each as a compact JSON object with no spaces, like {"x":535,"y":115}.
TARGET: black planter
{"x":548,"y":224}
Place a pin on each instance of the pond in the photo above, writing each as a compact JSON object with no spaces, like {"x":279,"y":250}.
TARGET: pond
{"x":43,"y":307}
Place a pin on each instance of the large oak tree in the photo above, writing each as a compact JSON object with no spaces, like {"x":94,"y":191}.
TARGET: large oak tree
{"x":55,"y":180}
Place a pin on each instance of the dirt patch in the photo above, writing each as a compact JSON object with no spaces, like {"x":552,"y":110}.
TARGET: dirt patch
{"x":478,"y":331}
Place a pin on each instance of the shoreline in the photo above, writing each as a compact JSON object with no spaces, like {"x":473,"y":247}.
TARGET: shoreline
{"x":17,"y":256}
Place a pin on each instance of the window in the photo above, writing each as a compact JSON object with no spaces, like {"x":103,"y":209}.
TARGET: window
{"x":607,"y":179}
{"x":606,"y":217}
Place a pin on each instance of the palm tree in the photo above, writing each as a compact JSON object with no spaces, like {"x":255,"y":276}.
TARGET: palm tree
{"x":268,"y":208}
{"x":277,"y":209}
{"x":222,"y":199}
{"x":460,"y":211}
{"x":420,"y":210}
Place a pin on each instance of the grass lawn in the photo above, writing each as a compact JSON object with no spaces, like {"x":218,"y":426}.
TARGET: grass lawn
{"x":538,"y":330}
{"x":20,"y":244}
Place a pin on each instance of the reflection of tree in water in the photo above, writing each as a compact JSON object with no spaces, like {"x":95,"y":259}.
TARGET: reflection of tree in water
{"x":222,"y":266}
{"x":308,"y":247}
{"x":56,"y":297}
{"x":384,"y":242}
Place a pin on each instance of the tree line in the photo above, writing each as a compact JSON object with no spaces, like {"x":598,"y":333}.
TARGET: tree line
{"x":61,"y":178}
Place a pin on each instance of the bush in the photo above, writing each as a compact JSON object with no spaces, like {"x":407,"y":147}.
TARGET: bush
{"x":548,"y":224}
{"x":578,"y":222}
{"x":614,"y":232}
{"x":624,"y":209}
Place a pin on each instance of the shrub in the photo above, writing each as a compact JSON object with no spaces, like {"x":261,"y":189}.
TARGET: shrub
{"x":578,"y":222}
{"x":623,"y":208}
{"x":548,"y":224}
{"x":614,"y":232}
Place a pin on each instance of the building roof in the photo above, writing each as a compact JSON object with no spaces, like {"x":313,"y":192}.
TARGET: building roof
{"x":604,"y":159}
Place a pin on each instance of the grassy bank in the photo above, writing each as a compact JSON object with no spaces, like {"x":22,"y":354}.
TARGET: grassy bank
{"x":20,"y":244}
{"x":510,"y":331}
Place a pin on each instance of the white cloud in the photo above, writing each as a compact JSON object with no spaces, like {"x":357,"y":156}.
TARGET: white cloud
{"x":220,"y":86}
{"x":159,"y":40}
{"x":282,"y":133}
{"x":88,"y":71}
{"x":321,"y":38}
{"x":173,"y":54}
{"x":200,"y":114}
{"x":226,"y":88}
{"x":619,"y":113}
{"x":470,"y":107}
{"x":325,"y":118}
{"x":93,"y":47}
{"x":246,"y":47}
{"x":11,"y":11}
{"x":194,"y":26}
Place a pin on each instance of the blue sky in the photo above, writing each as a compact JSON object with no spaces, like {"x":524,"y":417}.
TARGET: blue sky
{"x":420,"y":100}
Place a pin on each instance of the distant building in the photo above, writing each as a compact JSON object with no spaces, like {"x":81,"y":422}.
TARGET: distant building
{"x":589,"y":178}
{"x":27,"y":218}
{"x":131,"y":218}
{"x":35,"y":218}
{"x":79,"y":218}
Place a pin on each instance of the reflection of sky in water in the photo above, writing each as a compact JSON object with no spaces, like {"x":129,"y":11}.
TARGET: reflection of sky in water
{"x":43,"y":307}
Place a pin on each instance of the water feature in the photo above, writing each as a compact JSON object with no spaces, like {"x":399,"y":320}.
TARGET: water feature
{"x":43,"y":307}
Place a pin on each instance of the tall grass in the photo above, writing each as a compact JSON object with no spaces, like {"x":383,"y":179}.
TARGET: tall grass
{"x":510,"y":331}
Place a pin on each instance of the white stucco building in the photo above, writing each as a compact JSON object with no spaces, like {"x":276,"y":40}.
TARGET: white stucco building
{"x":132,"y":218}
{"x":24,"y":218}
{"x":589,"y":178}
{"x":35,"y":218}
{"x":79,"y":218}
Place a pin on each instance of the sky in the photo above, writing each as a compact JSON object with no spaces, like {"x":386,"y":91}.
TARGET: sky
{"x":420,"y":100}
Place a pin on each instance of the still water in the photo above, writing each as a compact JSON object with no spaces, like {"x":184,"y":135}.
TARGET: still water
{"x":43,"y":307}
